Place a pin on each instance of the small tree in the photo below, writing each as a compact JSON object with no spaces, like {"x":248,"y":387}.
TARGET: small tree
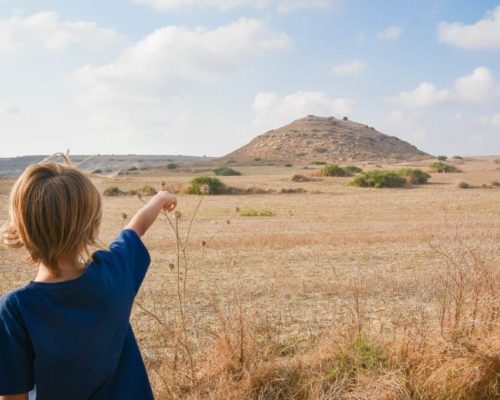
{"x":226,"y":171}
{"x":440,"y":166}
{"x":206,"y":185}
{"x":333,"y":170}
{"x":414,"y":176}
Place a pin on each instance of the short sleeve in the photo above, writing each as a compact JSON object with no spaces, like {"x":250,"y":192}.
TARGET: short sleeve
{"x":129,"y":247}
{"x":16,"y":351}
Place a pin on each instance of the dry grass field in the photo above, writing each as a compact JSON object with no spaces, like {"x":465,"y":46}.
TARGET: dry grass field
{"x":341,"y":293}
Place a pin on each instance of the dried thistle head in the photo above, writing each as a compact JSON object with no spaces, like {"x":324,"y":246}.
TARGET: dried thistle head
{"x":204,"y":189}
{"x":171,"y":266}
{"x":163,"y":185}
{"x":124,"y":216}
{"x":203,"y":243}
{"x":178,"y":215}
{"x":228,"y":221}
{"x":237,"y":209}
{"x":139,"y":195}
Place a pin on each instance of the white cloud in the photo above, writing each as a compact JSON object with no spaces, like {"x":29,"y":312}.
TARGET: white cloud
{"x":224,"y":5}
{"x":274,"y":110}
{"x":424,"y":95}
{"x":171,"y":56}
{"x":152,"y":88}
{"x":47,"y":31}
{"x":491,"y":120}
{"x":351,"y":68}
{"x":392,"y":32}
{"x":484,"y":34}
{"x":476,"y":87}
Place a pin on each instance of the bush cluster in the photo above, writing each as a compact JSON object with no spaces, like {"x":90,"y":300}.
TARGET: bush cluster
{"x":337,"y":170}
{"x":400,"y":178}
{"x":226,"y":171}
{"x":113,"y":191}
{"x":379,"y":179}
{"x":414,"y":176}
{"x":440,"y":167}
{"x":206,"y":185}
{"x":333,"y":170}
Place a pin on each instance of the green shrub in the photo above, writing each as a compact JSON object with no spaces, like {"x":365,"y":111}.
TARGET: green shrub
{"x":171,"y":166}
{"x":414,"y":176}
{"x":458,"y":157}
{"x":316,"y":162}
{"x":147,"y":190}
{"x":288,"y":165}
{"x":495,"y":184}
{"x":353,"y":169}
{"x":206,"y":185}
{"x":97,"y":171}
{"x":464,"y":185}
{"x":333,"y":170}
{"x":497,"y":160}
{"x":378,"y":179}
{"x":252,"y":212}
{"x":440,"y":167}
{"x":442,"y":158}
{"x":320,"y":150}
{"x":113,"y":191}
{"x":225,"y":171}
{"x":299,"y":154}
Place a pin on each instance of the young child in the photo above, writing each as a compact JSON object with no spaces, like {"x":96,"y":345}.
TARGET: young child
{"x":66,"y":335}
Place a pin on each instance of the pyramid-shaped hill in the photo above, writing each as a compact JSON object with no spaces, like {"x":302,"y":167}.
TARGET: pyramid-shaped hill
{"x":325,"y":138}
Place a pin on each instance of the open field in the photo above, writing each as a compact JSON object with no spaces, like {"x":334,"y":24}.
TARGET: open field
{"x":342,"y":293}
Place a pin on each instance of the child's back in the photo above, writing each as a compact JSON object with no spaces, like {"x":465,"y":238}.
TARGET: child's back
{"x":71,"y":339}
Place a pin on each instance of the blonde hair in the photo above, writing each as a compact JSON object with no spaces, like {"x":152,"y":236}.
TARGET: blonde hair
{"x":55,"y":212}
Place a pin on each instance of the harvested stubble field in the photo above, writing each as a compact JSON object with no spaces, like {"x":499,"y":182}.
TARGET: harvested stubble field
{"x":344,"y":293}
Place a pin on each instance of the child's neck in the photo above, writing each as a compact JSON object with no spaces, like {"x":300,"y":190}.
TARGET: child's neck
{"x":67,"y":270}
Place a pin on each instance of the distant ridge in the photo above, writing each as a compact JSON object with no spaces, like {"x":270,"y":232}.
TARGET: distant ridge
{"x":107,"y":164}
{"x":325,"y":138}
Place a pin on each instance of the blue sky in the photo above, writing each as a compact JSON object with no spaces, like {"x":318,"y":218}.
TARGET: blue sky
{"x":205,"y":77}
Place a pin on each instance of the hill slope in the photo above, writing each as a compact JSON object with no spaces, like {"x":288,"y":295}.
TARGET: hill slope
{"x":326,"y":138}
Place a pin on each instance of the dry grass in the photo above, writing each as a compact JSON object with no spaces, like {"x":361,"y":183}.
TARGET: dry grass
{"x":345,"y":294}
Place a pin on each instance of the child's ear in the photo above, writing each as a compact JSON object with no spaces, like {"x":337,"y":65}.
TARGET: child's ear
{"x":10,"y":236}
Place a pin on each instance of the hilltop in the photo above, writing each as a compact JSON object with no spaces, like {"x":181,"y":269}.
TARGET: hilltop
{"x":325,"y":138}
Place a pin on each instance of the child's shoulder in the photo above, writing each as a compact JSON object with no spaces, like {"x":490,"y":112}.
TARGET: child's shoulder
{"x":10,"y":300}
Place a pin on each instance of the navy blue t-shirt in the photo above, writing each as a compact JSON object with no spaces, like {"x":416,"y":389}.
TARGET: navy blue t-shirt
{"x":73,"y":339}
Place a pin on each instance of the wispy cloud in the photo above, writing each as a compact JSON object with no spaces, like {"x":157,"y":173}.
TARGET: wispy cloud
{"x":47,"y":31}
{"x":391,"y":33}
